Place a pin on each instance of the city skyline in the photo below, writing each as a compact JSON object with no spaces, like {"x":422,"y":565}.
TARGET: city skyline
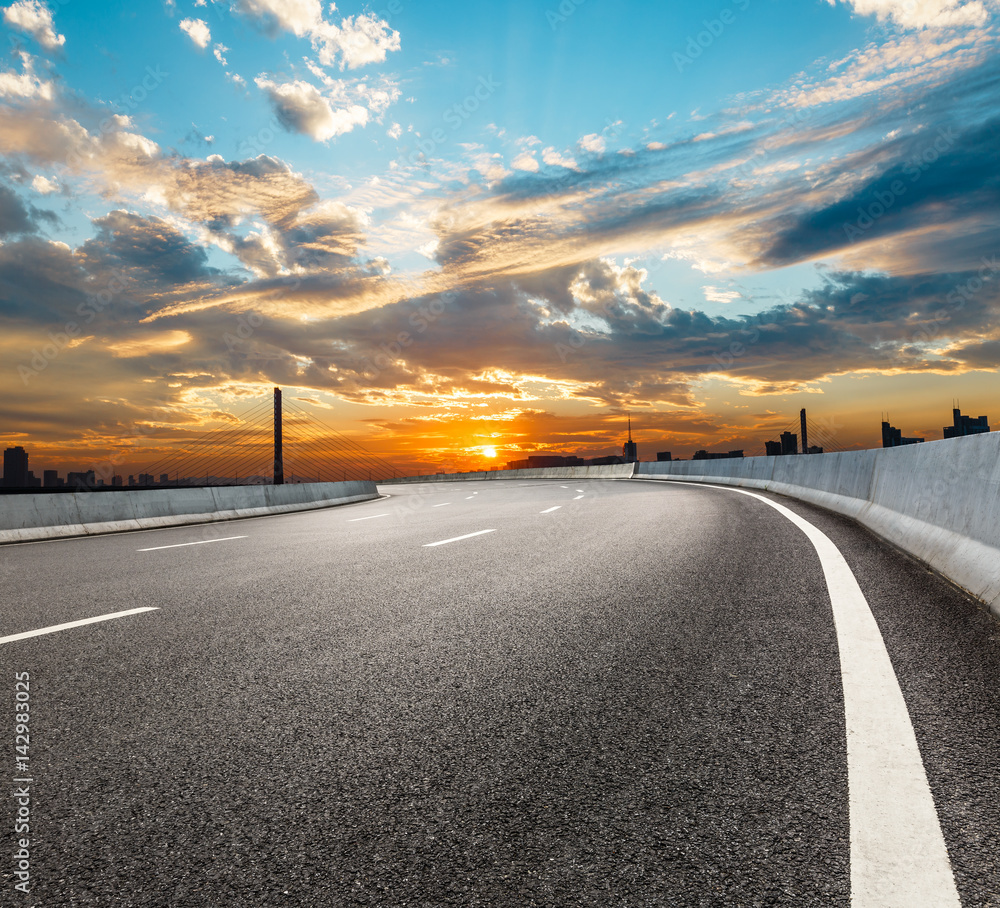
{"x":475,"y":233}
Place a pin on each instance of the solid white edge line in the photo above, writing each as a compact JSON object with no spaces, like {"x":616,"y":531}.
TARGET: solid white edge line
{"x":550,"y":510}
{"x":371,"y":517}
{"x":898,"y":854}
{"x":69,"y":624}
{"x":180,"y":545}
{"x":427,"y":545}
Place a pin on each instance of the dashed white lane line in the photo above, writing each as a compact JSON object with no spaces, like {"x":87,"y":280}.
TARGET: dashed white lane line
{"x":550,"y":510}
{"x":468,"y":498}
{"x":578,"y":497}
{"x":563,"y":487}
{"x":457,"y":538}
{"x":69,"y":624}
{"x":181,"y":545}
{"x":369,"y":517}
{"x":443,"y":504}
{"x":898,"y":855}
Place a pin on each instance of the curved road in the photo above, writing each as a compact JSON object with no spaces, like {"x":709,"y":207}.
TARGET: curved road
{"x":601,"y":693}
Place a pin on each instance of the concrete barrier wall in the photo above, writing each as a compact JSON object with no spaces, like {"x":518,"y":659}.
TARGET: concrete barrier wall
{"x":939,"y":501}
{"x":24,"y":518}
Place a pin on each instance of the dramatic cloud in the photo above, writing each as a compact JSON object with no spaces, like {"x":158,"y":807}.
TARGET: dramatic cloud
{"x":35,"y":19}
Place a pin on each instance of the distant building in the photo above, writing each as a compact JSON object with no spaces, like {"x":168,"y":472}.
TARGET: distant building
{"x":663,"y":457}
{"x":815,"y":449}
{"x":51,"y":480}
{"x":630,"y":451}
{"x":789,"y":443}
{"x":145,"y":479}
{"x":705,"y":455}
{"x":963,"y":425}
{"x":164,"y":479}
{"x":15,"y":468}
{"x":893,"y":437}
{"x":116,"y":481}
{"x":772,"y":448}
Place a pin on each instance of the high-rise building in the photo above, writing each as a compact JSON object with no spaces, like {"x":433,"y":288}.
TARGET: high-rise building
{"x":789,"y":443}
{"x":893,"y":437}
{"x":663,"y":456}
{"x":50,"y":479}
{"x":963,"y":425}
{"x":772,"y":448}
{"x":145,"y":479}
{"x":164,"y":479}
{"x":15,"y":468}
{"x":630,"y":451}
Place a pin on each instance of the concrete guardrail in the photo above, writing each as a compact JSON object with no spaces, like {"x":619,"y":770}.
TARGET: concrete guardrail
{"x":939,"y":501}
{"x":24,"y":518}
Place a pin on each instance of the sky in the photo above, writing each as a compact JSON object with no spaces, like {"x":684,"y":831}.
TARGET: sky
{"x":462,"y":233}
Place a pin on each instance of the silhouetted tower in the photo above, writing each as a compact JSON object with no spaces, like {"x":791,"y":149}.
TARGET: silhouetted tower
{"x":805,"y":437}
{"x":279,"y":467}
{"x":630,"y":452}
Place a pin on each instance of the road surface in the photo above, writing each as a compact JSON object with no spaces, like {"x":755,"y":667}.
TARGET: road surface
{"x":535,"y":693}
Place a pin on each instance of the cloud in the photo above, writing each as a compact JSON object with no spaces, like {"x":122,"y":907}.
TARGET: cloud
{"x":35,"y":19}
{"x":357,"y":41}
{"x":25,"y":85}
{"x":300,"y":107}
{"x":14,"y":217}
{"x":593,"y":143}
{"x":43,"y":185}
{"x":525,"y":161}
{"x":197,"y":30}
{"x":925,"y":13}
{"x":556,"y":159}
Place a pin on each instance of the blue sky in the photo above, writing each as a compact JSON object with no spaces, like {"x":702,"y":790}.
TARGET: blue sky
{"x":604,"y":199}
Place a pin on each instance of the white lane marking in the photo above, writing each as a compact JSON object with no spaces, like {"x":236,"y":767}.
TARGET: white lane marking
{"x":578,"y":497}
{"x":80,"y":623}
{"x":370,"y":517}
{"x":443,"y":504}
{"x":456,"y":538}
{"x":181,"y":545}
{"x":468,"y":498}
{"x":898,"y":855}
{"x":550,"y":510}
{"x":580,"y":490}
{"x":563,"y":487}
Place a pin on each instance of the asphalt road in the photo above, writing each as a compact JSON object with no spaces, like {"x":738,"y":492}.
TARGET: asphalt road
{"x":625,"y":694}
